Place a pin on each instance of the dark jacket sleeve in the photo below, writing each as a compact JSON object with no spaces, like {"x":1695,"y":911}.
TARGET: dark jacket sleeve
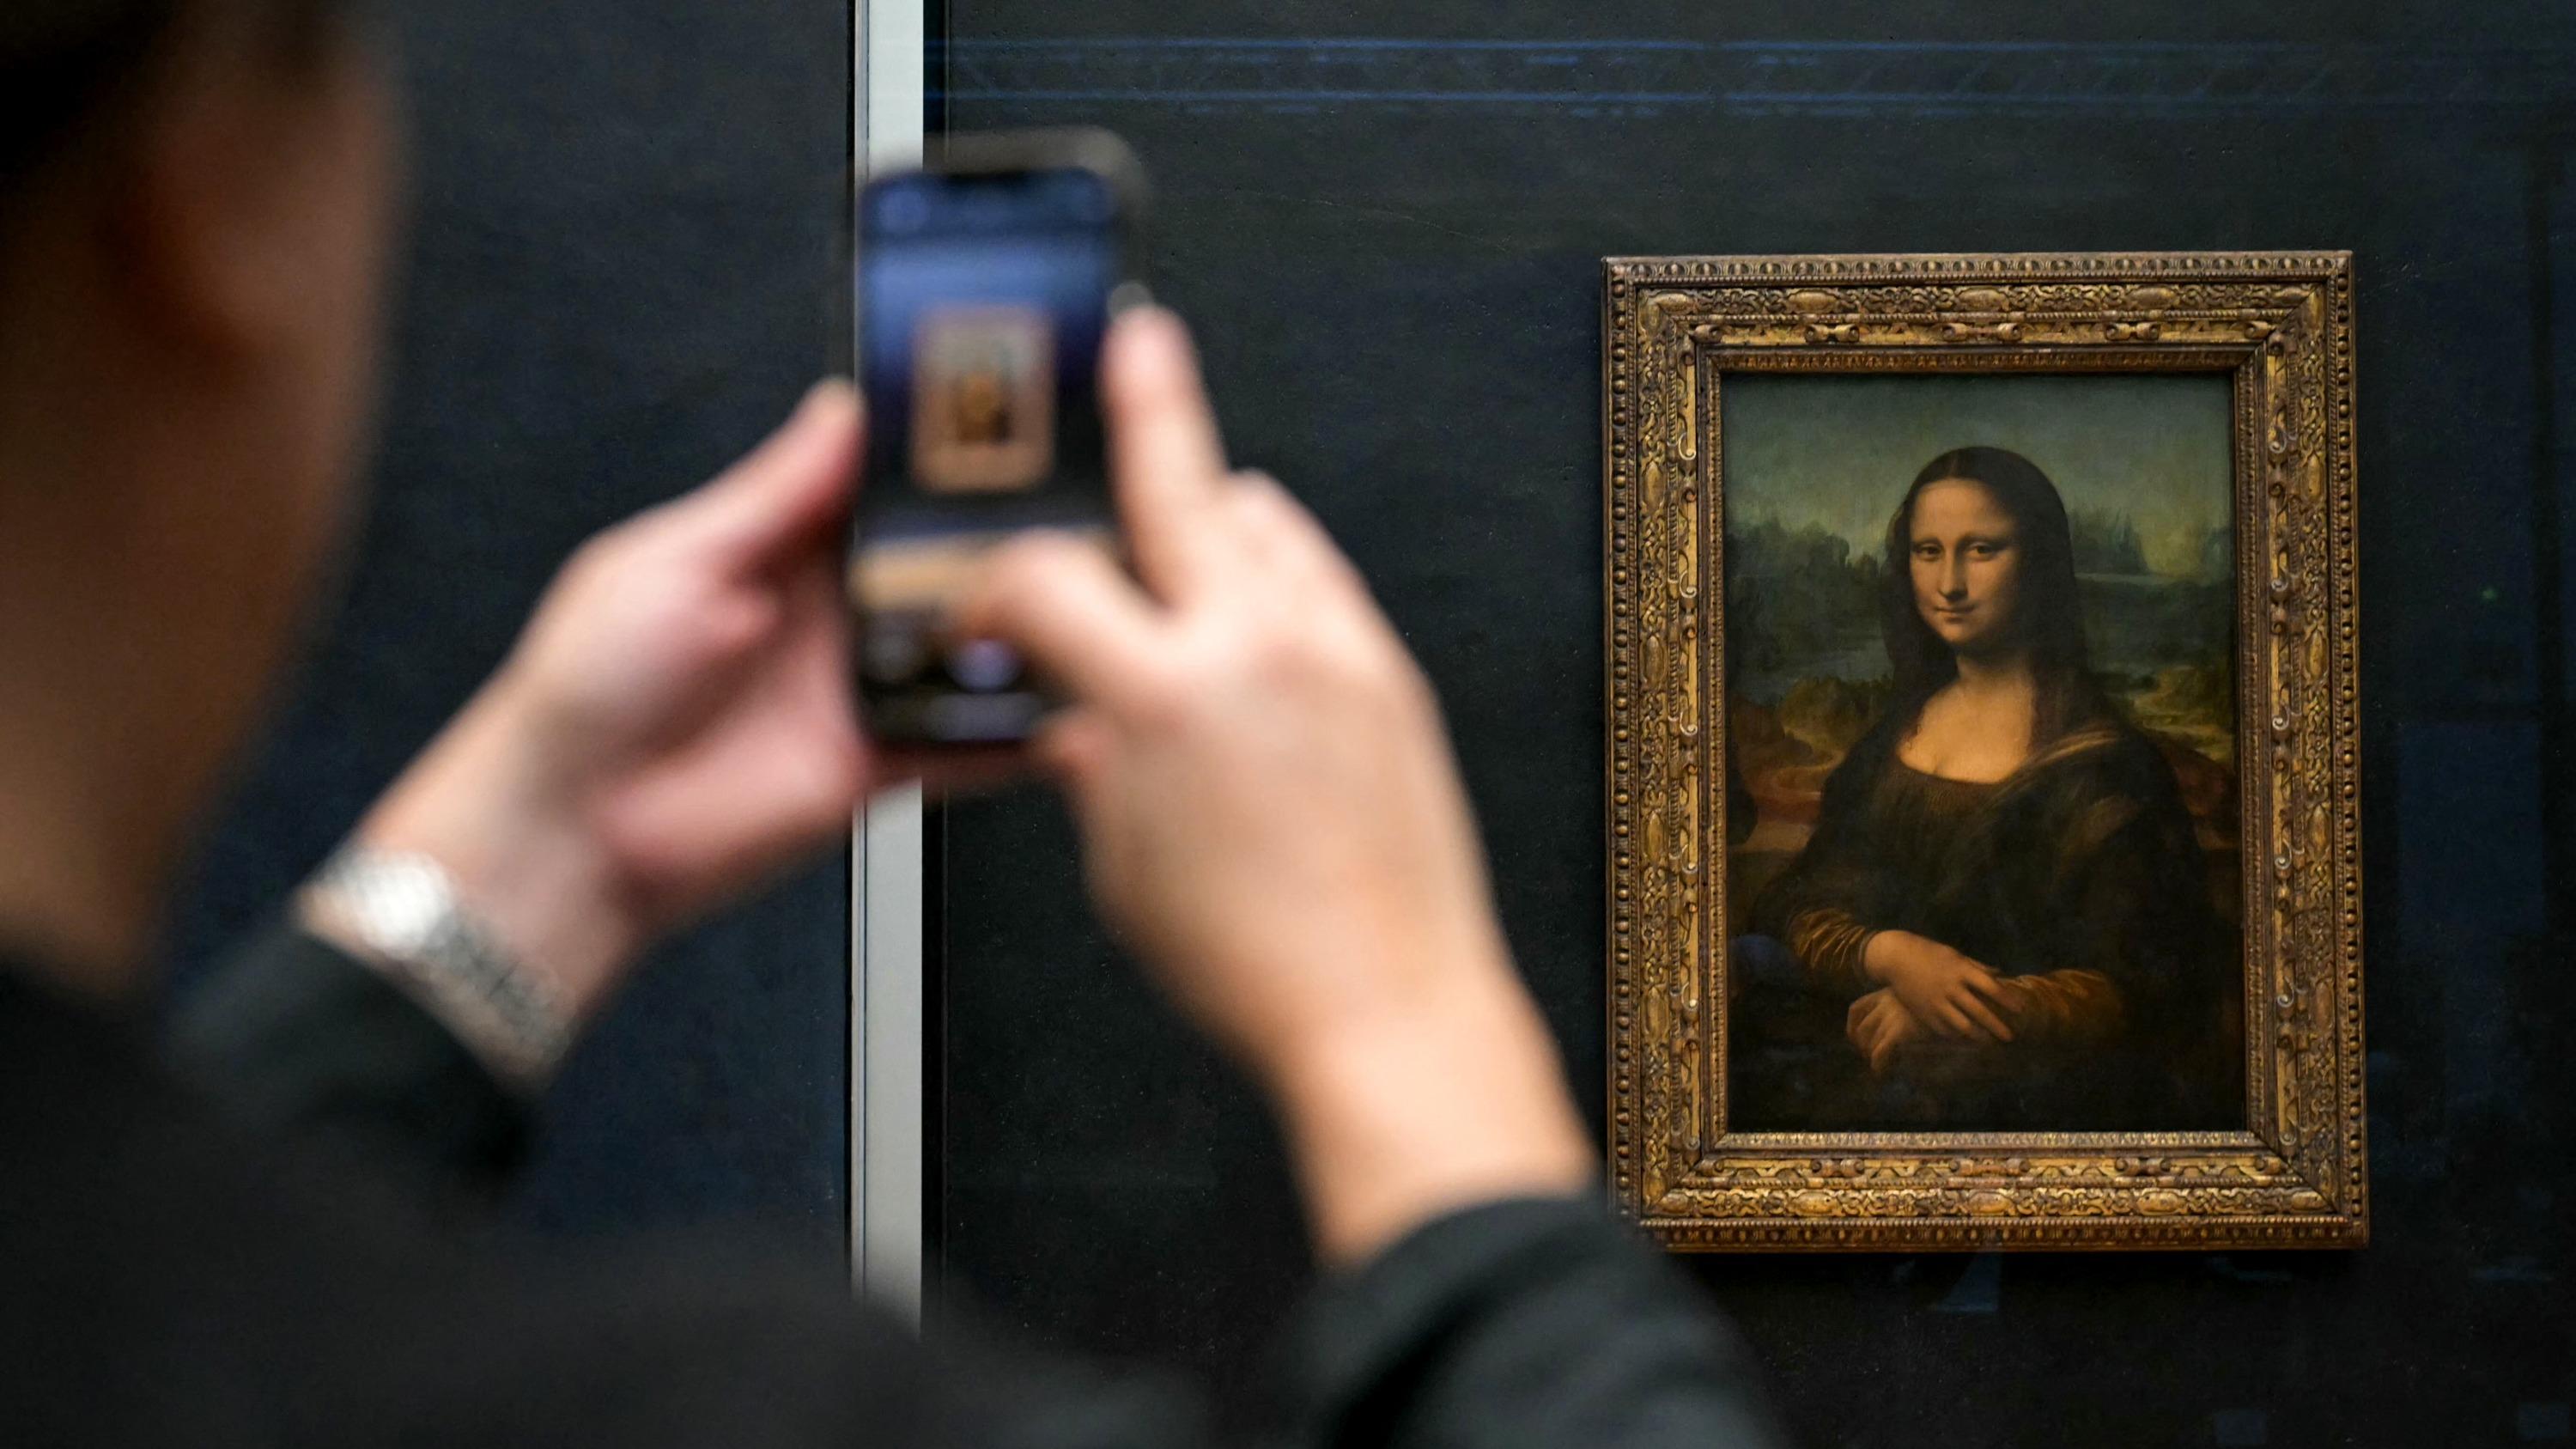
{"x":1531,"y":1323}
{"x":296,"y":1038}
{"x":1526,"y":1323}
{"x":1534,"y":1322}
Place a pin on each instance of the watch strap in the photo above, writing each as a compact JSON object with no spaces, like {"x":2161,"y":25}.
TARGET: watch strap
{"x":401,"y":913}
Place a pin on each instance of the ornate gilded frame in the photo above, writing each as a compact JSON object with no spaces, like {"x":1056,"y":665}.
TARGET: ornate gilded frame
{"x":2281,"y":325}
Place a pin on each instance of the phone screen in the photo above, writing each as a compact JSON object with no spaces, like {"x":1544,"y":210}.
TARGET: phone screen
{"x":982,"y":299}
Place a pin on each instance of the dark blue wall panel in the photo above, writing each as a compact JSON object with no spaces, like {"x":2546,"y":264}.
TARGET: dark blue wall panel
{"x":624,"y":272}
{"x":1386,"y":220}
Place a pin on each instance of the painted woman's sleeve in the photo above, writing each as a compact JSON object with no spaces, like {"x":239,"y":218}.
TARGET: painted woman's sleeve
{"x":2136,"y":929}
{"x":1824,"y":906}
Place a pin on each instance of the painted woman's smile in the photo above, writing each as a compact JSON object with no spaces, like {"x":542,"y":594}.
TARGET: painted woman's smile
{"x":1966,"y":565}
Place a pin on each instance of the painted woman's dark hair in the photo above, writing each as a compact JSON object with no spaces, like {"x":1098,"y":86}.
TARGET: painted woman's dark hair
{"x":2049,"y":614}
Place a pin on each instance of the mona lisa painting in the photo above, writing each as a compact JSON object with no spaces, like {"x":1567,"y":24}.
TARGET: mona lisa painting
{"x":1983,"y":825}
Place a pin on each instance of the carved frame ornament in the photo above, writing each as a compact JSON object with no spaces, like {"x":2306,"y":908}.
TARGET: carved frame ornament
{"x":2280,"y":324}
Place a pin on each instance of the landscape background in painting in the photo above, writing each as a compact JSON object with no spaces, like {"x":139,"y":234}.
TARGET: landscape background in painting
{"x":1814,"y":466}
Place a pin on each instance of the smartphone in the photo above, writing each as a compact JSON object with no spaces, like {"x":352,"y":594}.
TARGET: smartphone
{"x":985,"y":283}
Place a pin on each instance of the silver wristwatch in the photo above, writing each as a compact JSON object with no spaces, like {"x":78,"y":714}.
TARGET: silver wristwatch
{"x":400,"y":913}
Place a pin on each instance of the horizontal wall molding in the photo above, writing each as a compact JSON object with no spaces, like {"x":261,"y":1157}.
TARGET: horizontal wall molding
{"x":1643,"y":76}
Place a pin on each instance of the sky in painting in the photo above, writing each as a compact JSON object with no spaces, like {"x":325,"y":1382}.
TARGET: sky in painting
{"x":1837,"y":451}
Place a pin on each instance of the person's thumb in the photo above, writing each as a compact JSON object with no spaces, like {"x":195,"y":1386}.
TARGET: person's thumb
{"x":792,"y":490}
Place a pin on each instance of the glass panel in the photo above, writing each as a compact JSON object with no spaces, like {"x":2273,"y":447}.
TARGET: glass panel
{"x":1390,"y":245}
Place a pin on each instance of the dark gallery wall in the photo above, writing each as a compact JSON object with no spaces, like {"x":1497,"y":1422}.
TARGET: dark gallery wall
{"x":623,"y":273}
{"x":1387,"y":222}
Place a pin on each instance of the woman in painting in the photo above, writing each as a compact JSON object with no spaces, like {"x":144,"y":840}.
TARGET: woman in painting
{"x":2003,"y":907}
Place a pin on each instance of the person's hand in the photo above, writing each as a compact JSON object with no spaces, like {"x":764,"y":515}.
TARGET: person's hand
{"x":1880,"y":1027}
{"x":1946,"y":992}
{"x":1272,"y":819}
{"x":1269,"y":809}
{"x":675,"y":723}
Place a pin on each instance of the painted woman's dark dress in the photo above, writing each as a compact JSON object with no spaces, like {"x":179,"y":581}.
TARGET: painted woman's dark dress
{"x":2079,"y":875}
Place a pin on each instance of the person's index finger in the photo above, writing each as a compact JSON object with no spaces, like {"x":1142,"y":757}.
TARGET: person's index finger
{"x":795,"y":483}
{"x":1159,"y":413}
{"x":1076,"y":617}
{"x":1165,"y":452}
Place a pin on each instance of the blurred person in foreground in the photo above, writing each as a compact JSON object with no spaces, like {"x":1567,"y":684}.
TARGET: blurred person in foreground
{"x":271,"y":1240}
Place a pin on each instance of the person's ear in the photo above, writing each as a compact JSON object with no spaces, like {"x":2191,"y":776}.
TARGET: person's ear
{"x":224,"y":209}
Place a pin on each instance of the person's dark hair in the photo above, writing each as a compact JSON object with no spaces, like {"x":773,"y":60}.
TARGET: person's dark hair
{"x":2048,"y":617}
{"x":66,"y":64}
